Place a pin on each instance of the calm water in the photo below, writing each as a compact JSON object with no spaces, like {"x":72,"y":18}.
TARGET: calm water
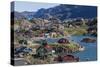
{"x":90,"y":52}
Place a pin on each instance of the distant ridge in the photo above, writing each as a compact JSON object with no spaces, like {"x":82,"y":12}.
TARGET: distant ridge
{"x":61,"y":12}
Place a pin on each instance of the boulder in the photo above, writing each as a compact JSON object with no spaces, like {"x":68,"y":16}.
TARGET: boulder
{"x":88,"y":40}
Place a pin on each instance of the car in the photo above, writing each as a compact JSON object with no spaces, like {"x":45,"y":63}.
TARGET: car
{"x":23,"y":50}
{"x":27,"y":50}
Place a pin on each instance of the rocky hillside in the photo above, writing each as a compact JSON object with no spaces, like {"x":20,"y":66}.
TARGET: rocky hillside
{"x":61,"y":12}
{"x":67,"y":11}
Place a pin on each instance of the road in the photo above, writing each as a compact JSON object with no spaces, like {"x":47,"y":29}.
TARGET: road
{"x":19,"y":61}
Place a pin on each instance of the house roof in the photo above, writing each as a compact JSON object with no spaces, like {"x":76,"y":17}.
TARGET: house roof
{"x":66,"y":58}
{"x":63,"y":40}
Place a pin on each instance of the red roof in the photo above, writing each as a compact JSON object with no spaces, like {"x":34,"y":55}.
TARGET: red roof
{"x":63,"y":40}
{"x":48,"y":47}
{"x":67,"y":58}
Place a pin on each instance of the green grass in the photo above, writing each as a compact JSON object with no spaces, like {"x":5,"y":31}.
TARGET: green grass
{"x":76,"y":31}
{"x":71,"y":45}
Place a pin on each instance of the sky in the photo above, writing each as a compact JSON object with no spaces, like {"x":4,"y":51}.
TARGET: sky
{"x":21,"y":6}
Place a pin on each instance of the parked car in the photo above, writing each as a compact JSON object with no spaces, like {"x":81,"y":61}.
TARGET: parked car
{"x":23,"y":50}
